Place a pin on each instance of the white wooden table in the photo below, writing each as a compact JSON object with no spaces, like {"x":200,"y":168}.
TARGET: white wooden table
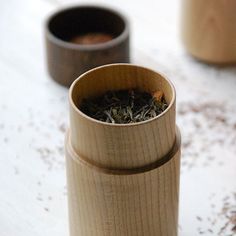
{"x":34,"y":115}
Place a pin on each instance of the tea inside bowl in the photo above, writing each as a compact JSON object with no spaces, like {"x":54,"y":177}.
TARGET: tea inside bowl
{"x":91,"y":38}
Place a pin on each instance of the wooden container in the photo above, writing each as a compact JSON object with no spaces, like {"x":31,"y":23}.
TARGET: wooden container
{"x":66,"y":60}
{"x":123,"y":179}
{"x":209,"y":30}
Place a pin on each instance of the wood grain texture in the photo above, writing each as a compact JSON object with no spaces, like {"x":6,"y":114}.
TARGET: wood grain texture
{"x":126,"y":144}
{"x":122,"y":179}
{"x":209,"y":29}
{"x":105,"y":202}
{"x":67,"y":60}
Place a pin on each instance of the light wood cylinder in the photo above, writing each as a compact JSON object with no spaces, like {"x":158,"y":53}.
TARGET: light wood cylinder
{"x":123,"y":179}
{"x":209,"y":30}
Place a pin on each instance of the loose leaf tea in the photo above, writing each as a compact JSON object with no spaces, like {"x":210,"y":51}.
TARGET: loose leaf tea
{"x":124,"y":106}
{"x":91,"y":38}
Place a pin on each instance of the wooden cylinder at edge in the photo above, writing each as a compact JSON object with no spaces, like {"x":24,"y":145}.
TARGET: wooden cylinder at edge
{"x":209,"y":30}
{"x":122,"y":179}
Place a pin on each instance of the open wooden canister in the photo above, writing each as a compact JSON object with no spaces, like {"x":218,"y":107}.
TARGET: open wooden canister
{"x":123,"y":179}
{"x":80,"y":38}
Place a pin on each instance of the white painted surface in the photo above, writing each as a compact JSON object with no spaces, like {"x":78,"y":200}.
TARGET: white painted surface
{"x":33,"y":116}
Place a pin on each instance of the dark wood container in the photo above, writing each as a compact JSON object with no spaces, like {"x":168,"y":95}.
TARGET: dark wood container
{"x":67,"y":60}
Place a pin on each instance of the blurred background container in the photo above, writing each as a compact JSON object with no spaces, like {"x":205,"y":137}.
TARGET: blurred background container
{"x":34,"y":116}
{"x":209,"y":30}
{"x":82,"y":37}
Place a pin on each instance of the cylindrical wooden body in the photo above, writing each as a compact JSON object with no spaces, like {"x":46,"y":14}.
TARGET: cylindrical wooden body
{"x":137,"y":202}
{"x":209,"y":30}
{"x":122,"y":179}
{"x":67,"y":60}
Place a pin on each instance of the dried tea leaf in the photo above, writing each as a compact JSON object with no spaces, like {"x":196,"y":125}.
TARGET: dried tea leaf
{"x":124,"y":106}
{"x":158,"y":95}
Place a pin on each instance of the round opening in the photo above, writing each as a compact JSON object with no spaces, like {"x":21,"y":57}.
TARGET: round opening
{"x":98,"y":24}
{"x":119,"y":77}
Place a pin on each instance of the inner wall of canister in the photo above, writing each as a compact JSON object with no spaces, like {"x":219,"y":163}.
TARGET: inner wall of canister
{"x":78,"y":21}
{"x":118,"y":77}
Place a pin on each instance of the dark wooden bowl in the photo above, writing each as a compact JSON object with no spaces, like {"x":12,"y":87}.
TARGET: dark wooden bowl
{"x":67,"y":60}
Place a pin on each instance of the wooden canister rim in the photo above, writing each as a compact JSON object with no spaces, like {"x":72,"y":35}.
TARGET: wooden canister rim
{"x":72,"y":103}
{"x":69,"y":45}
{"x":129,"y":171}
